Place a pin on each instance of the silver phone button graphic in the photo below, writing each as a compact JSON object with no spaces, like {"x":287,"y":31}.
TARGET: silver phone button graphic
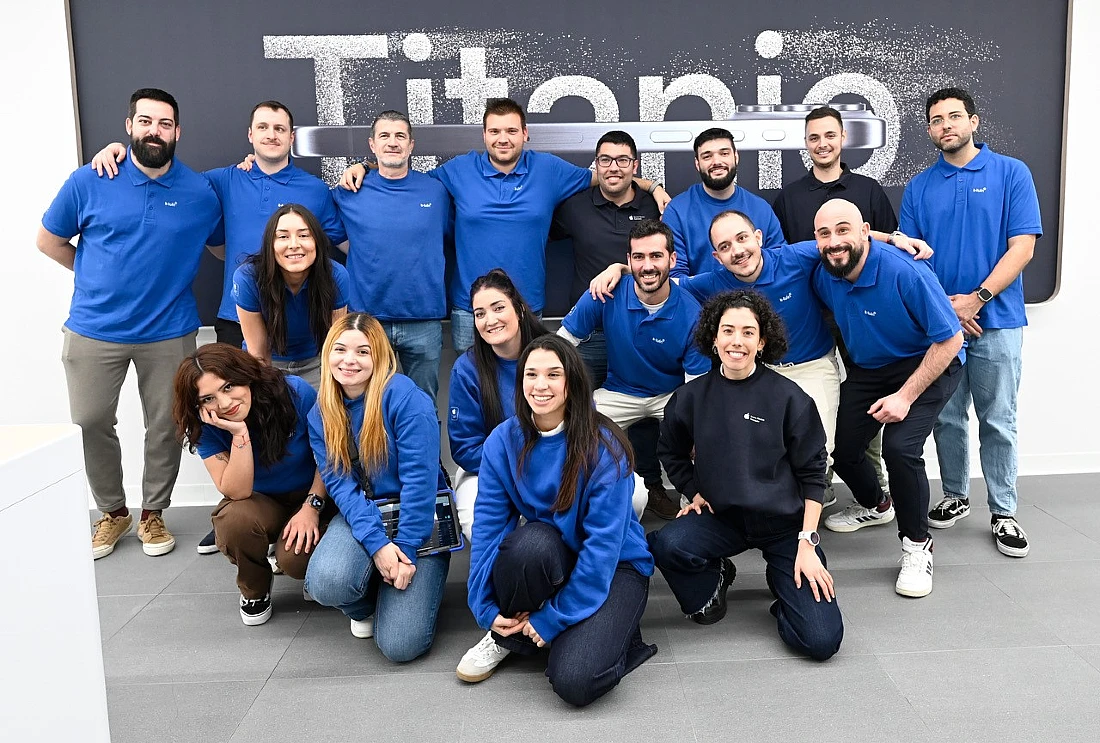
{"x":671,"y":137}
{"x":773,"y":135}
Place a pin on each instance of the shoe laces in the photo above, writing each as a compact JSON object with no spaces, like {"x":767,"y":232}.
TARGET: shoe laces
{"x":1007,"y":527}
{"x":103,"y":526}
{"x":154,"y":526}
{"x":950,"y":504}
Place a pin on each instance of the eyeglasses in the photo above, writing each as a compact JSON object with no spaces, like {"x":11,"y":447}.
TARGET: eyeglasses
{"x":604,"y":161}
{"x":955,"y":118}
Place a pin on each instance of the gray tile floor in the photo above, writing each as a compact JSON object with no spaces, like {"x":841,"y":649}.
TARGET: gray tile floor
{"x":1003,"y":650}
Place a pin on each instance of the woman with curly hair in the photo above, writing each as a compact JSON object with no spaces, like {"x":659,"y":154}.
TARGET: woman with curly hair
{"x":756,"y":479}
{"x":248,"y":423}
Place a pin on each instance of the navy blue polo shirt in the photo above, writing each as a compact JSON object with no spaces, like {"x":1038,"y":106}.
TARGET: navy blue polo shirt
{"x":647,"y":354}
{"x":502,"y":220}
{"x":248,"y":201}
{"x":600,"y":230}
{"x":895,"y":310}
{"x":689,"y":216}
{"x":798,"y":202}
{"x":295,"y":471}
{"x":140,"y":245}
{"x":786,"y":280}
{"x":300,"y":343}
{"x":967,"y":215}
{"x":396,"y":228}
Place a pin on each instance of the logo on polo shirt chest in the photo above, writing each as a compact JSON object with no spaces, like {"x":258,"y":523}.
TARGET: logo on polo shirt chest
{"x":786,"y":296}
{"x":657,"y":340}
{"x":427,"y":206}
{"x":870,"y":313}
{"x":170,"y":203}
{"x":979,"y":190}
{"x":636,"y":217}
{"x":753,"y":418}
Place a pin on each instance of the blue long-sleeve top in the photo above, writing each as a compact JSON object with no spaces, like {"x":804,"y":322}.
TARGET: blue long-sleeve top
{"x":411,"y":472}
{"x":466,"y":429}
{"x":600,"y":527}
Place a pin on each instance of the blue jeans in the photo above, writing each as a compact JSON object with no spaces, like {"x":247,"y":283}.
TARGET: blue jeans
{"x":462,"y":329}
{"x":687,"y":552}
{"x":342,"y":574}
{"x":418,"y":345}
{"x":991,"y":378}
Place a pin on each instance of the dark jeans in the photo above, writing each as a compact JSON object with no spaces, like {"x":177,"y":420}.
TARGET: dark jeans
{"x":588,"y":659}
{"x":902,"y":442}
{"x":643,"y":434}
{"x":228,"y":332}
{"x":687,"y":552}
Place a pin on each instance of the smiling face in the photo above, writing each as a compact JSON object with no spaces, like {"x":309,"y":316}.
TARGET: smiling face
{"x":842,"y":238}
{"x":496,"y":322}
{"x":716,"y":162}
{"x":738,"y":342}
{"x":650,"y":261}
{"x":391,"y":143}
{"x":153,"y":133}
{"x":825,"y":139}
{"x":504,"y":136}
{"x":350,"y":362}
{"x":544,"y":388}
{"x":231,"y":402}
{"x":294,"y":245}
{"x":271,"y":135}
{"x":737,"y":247}
{"x":615,"y":179}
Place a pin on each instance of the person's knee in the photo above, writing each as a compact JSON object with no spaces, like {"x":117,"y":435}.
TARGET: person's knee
{"x":331,"y":586}
{"x":234,"y":521}
{"x":671,"y":545}
{"x":901,"y":452}
{"x":534,"y":542}
{"x":402,"y":649}
{"x":576,"y":685}
{"x":821,"y":640}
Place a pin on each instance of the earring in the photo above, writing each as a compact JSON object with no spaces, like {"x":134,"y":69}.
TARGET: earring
{"x":715,"y":349}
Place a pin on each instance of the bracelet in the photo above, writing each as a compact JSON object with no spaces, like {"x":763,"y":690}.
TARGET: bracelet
{"x":654,"y":186}
{"x":243,"y":443}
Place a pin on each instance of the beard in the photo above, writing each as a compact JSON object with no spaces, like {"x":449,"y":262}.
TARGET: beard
{"x":719,"y":184}
{"x":960,"y":142}
{"x":151,"y":156}
{"x":841,"y":270}
{"x":662,"y":279}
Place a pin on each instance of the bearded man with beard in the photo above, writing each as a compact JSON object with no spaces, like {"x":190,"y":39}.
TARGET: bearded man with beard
{"x":141,"y":237}
{"x":906,"y":348}
{"x":690,"y":213}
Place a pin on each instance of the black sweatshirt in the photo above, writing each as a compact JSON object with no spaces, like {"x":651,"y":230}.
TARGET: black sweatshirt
{"x":759,"y":443}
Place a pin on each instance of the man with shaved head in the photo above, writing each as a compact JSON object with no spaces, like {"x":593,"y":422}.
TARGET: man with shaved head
{"x":906,"y":348}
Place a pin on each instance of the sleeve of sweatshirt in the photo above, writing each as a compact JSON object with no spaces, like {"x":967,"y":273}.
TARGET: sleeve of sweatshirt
{"x":465,"y":421}
{"x":676,"y":441}
{"x":607,"y":513}
{"x":361,"y":514}
{"x":675,"y":222}
{"x":411,"y":417}
{"x":806,"y":448}
{"x":494,"y":518}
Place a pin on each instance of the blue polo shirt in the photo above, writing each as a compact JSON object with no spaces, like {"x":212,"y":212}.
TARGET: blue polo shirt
{"x":396,"y":229}
{"x":300,"y":343}
{"x":502,"y":220}
{"x":248,"y":201}
{"x":140,"y":244}
{"x":967,"y":215}
{"x":647,"y":355}
{"x":689,"y":216}
{"x":895,"y":310}
{"x":295,"y":471}
{"x":786,"y":280}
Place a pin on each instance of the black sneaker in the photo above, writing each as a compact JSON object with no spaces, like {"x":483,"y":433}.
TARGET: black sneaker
{"x":948,"y":511}
{"x":255,"y":611}
{"x":715,"y":609}
{"x":1011,"y":539}
{"x":207,"y":545}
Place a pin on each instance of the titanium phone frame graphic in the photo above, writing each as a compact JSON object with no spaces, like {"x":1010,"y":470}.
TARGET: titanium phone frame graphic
{"x":755,"y":127}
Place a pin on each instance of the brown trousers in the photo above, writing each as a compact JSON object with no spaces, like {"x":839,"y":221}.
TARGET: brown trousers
{"x":243,"y":529}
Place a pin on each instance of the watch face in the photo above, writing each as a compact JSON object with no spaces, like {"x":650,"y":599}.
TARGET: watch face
{"x":316,"y":502}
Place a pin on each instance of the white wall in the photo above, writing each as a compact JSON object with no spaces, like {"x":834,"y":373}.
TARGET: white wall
{"x":1059,"y":402}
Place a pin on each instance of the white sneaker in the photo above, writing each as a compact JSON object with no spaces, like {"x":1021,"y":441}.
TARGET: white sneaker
{"x":363,"y":628}
{"x":915,"y":578}
{"x":481,"y":660}
{"x":855,"y":517}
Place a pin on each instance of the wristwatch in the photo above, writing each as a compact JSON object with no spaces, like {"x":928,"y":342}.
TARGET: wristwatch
{"x":810,"y":536}
{"x":983,"y":294}
{"x":895,"y":235}
{"x":316,"y":502}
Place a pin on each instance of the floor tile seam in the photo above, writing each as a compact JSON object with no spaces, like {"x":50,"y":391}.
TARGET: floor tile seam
{"x":182,"y":682}
{"x":691,"y":720}
{"x":868,"y":654}
{"x":1047,"y":646}
{"x":1076,"y":651}
{"x":1060,"y":520}
{"x":282,"y":656}
{"x":148,"y":600}
{"x":382,"y":674}
{"x":248,"y":709}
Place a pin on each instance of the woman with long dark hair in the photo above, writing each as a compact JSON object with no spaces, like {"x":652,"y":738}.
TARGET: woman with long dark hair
{"x":375,"y":436}
{"x":248,"y":423}
{"x":575,"y":575}
{"x":290,"y":292}
{"x":746,"y":446}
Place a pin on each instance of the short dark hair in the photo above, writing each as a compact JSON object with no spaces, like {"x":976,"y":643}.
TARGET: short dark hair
{"x":649,"y":227}
{"x":616,"y":136}
{"x":712,"y":134}
{"x":772,"y":330}
{"x":944,"y":94}
{"x":503,"y":107}
{"x":274,"y":106}
{"x":154,"y":94}
{"x":731,"y":213}
{"x":391,"y":115}
{"x":825,"y":112}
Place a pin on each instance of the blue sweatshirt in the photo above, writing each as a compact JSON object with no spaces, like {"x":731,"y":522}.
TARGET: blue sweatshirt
{"x":466,"y":429}
{"x":600,"y":527}
{"x":411,"y":472}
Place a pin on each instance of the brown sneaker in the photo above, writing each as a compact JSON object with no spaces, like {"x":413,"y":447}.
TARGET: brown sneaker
{"x":108,"y":530}
{"x":155,"y":537}
{"x":660,"y":505}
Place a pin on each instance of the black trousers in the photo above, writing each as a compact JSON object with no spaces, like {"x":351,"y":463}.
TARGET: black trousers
{"x":902,"y":442}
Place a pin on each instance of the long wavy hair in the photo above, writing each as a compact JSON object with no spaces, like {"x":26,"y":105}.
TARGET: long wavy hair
{"x":272,"y":416}
{"x":585,"y":428}
{"x":320,"y":287}
{"x":484,"y":358}
{"x":330,"y":399}
{"x":772,"y":330}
